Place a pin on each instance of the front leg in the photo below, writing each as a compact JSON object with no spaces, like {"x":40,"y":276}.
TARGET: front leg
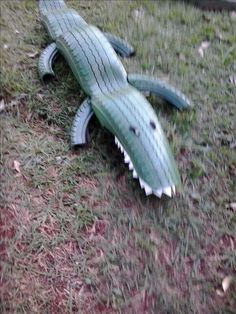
{"x":122,"y":47}
{"x":154,"y":85}
{"x":46,"y":59}
{"x":79,"y":130}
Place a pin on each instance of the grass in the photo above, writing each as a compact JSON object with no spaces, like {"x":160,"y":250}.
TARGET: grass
{"x":77,"y":233}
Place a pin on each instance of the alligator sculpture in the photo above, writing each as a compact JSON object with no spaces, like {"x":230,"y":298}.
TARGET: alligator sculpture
{"x":115,"y":97}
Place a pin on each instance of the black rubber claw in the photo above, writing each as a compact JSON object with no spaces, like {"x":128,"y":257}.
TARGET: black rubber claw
{"x":79,"y":130}
{"x":46,"y":60}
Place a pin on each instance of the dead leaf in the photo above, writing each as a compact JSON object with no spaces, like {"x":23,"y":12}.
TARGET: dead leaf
{"x":16,"y":165}
{"x":204,"y":45}
{"x":226,"y":283}
{"x":232,"y":79}
{"x":219,"y":35}
{"x":40,"y":97}
{"x":93,"y":228}
{"x":219,"y":292}
{"x":232,"y":206}
{"x":196,"y":196}
{"x":232,"y":145}
{"x":2,"y":105}
{"x":138,"y":14}
{"x":32,"y":54}
{"x":200,"y":51}
{"x":58,"y":158}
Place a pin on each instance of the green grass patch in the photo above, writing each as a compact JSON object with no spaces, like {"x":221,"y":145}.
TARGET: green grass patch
{"x":77,"y":232}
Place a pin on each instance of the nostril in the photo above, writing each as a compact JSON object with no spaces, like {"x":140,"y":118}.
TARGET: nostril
{"x":134,"y":130}
{"x":153,"y":124}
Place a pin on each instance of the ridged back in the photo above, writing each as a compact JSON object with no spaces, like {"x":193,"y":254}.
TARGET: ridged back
{"x":92,"y":60}
{"x":45,"y":6}
{"x":89,"y":54}
{"x":61,"y":21}
{"x":57,"y":18}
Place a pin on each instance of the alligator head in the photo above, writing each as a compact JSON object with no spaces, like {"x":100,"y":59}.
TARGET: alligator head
{"x":139,"y":136}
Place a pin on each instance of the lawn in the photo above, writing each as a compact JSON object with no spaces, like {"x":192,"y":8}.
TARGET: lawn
{"x":78,"y":235}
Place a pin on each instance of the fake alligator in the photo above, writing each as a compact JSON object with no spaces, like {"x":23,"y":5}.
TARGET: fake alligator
{"x":113,"y":96}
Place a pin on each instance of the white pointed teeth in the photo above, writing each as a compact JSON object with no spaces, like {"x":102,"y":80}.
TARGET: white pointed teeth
{"x":158,"y":193}
{"x":142,"y":183}
{"x":167,"y":191}
{"x":173,"y":190}
{"x":126,"y":159}
{"x":119,"y":144}
{"x":135,"y":175}
{"x":148,"y":190}
{"x":145,"y":186}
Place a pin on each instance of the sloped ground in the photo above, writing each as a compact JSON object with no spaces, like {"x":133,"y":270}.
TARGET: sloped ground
{"x":77,"y":233}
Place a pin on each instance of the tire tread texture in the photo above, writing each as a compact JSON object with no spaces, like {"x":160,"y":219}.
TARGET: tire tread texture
{"x":160,"y":88}
{"x":120,"y":107}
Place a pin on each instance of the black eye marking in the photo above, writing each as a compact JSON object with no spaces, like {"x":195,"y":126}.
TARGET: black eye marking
{"x":134,"y":130}
{"x":153,"y":124}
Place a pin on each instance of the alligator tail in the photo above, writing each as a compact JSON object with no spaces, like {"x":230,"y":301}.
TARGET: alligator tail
{"x":57,"y":18}
{"x":46,"y":6}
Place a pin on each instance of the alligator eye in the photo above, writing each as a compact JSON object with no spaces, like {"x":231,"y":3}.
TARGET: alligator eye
{"x":134,"y":130}
{"x":153,"y":124}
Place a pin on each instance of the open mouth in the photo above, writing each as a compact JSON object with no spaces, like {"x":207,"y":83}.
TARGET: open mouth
{"x":169,"y":190}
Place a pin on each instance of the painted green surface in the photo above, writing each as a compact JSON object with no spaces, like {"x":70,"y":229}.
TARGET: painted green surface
{"x":119,"y":107}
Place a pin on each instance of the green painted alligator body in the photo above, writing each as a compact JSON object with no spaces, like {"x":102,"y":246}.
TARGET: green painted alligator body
{"x":113,"y":95}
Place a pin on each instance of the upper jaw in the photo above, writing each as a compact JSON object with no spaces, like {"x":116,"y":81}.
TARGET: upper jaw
{"x":168,"y":190}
